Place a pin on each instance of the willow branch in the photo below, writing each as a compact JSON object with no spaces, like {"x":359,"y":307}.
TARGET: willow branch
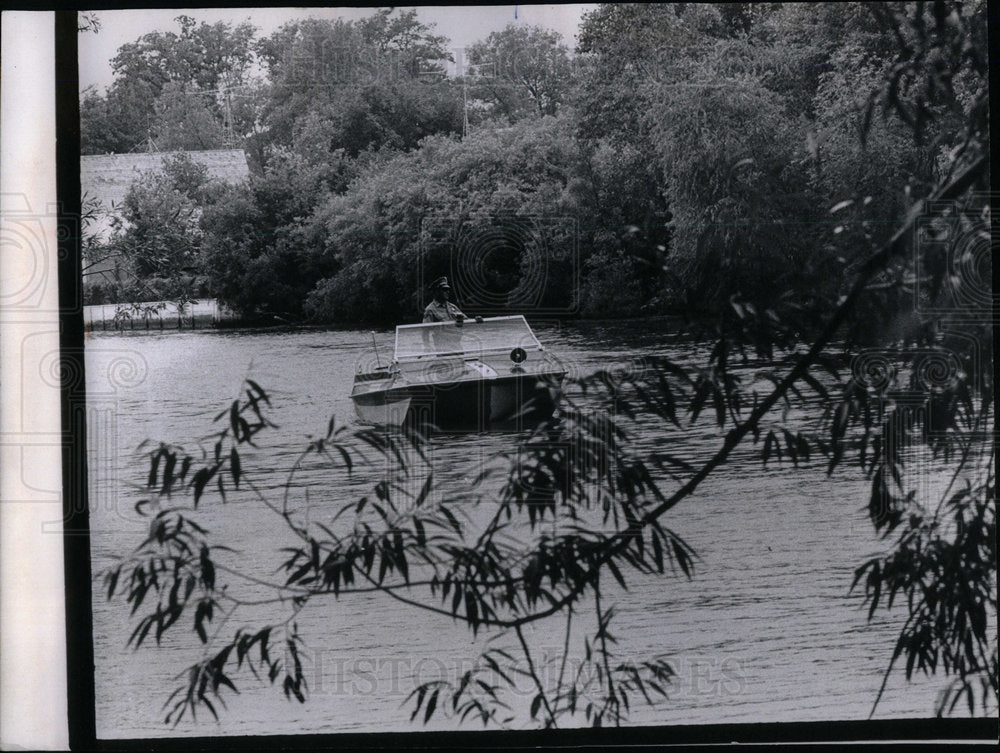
{"x":602,"y":627}
{"x":534,"y":676}
{"x":875,"y":263}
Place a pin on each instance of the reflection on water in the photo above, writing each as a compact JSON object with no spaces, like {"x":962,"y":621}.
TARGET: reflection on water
{"x":765,"y":630}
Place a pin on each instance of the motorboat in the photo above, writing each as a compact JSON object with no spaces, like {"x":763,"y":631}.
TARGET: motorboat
{"x":469,"y":374}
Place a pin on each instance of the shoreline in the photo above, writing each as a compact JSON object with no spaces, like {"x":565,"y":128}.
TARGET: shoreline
{"x":141,"y":327}
{"x":209,"y":314}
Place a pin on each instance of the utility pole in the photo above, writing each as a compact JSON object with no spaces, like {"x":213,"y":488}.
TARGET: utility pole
{"x":470,"y":69}
{"x":227,"y":122}
{"x":465,"y":107}
{"x":228,"y":127}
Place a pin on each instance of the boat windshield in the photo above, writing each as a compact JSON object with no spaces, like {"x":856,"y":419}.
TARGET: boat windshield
{"x":440,"y":338}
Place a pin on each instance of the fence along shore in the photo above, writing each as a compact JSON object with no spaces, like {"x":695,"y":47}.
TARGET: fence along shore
{"x":157,"y":315}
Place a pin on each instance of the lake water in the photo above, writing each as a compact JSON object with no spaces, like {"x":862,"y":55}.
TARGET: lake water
{"x":765,"y":631}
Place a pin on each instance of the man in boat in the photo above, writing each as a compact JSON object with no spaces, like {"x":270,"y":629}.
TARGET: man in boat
{"x":441,"y":309}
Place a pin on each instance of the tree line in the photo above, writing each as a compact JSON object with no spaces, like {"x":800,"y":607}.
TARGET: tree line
{"x":693,"y":149}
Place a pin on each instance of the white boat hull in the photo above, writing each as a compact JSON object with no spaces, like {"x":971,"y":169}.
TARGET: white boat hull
{"x":473,"y":404}
{"x":489,"y":374}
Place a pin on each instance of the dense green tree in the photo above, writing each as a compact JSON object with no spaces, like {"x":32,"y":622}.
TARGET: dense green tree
{"x":338,"y":93}
{"x":201,"y":57}
{"x":120,"y":121}
{"x":157,"y":239}
{"x":520,"y":70}
{"x":103,"y":125}
{"x":412,"y":46}
{"x":257,"y":254}
{"x":374,"y":229}
{"x":371,"y":84}
{"x":625,"y":56}
{"x":624,"y":244}
{"x":752,"y":116}
{"x":734,"y":164}
{"x":160,"y":232}
{"x":185,"y":120}
{"x":307,"y":62}
{"x":205,"y":55}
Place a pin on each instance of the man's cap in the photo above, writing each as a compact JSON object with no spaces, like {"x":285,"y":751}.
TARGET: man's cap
{"x":440,"y":282}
